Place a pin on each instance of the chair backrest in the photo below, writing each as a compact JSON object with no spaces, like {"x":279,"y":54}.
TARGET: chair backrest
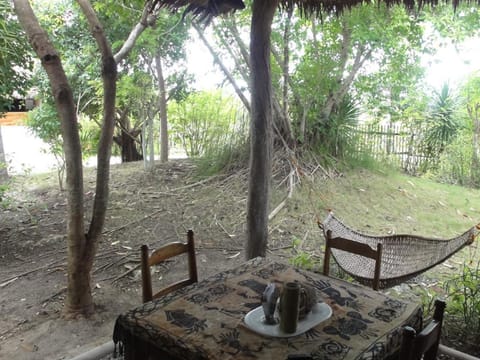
{"x":355,"y":248}
{"x":161,"y":254}
{"x":425,"y":344}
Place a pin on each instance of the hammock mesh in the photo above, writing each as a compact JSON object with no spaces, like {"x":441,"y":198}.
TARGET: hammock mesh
{"x":403,"y":257}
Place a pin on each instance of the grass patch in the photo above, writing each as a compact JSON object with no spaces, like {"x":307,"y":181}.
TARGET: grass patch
{"x":380,"y":203}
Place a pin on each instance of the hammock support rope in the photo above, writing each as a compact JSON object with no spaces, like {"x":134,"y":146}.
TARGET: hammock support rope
{"x":403,"y":257}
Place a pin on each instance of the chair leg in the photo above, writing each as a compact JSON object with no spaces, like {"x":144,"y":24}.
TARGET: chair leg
{"x":407,"y":343}
{"x":146,"y":275}
{"x":431,"y":354}
{"x":326,"y":259}
{"x":192,"y":261}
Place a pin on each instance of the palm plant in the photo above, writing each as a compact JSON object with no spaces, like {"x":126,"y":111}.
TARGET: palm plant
{"x":442,"y":124}
{"x":337,"y":134}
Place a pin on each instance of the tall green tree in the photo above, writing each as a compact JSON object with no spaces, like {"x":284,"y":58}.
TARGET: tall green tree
{"x":15,"y":58}
{"x":370,"y":54}
{"x":442,"y":123}
{"x":332,"y":59}
{"x":161,"y":51}
{"x":471,"y":95}
{"x":15,"y":64}
{"x":453,"y":24}
{"x":117,"y":18}
{"x":81,"y":244}
{"x":68,"y":29}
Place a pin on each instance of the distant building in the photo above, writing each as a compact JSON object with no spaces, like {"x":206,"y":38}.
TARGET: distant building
{"x":13,"y":118}
{"x":16,"y":112}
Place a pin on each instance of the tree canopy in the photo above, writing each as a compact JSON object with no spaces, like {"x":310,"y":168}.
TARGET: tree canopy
{"x":16,"y":61}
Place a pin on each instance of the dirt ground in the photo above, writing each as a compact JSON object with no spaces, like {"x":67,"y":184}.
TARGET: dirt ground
{"x":144,"y":208}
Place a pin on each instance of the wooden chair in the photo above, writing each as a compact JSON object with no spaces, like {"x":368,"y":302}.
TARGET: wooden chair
{"x":355,"y":248}
{"x":162,"y":254}
{"x":427,"y":341}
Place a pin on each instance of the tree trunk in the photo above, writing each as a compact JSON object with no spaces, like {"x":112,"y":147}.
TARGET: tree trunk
{"x":148,"y":141}
{"x":242,"y":46}
{"x":127,"y":140}
{"x":286,"y":62}
{"x":3,"y":162}
{"x":128,"y":144}
{"x":474,"y":113}
{"x":260,"y":129}
{"x":162,"y":107}
{"x":147,"y":19}
{"x":81,"y":247}
{"x":79,"y":297}
{"x":73,"y":303}
{"x":219,"y":62}
{"x":242,"y":67}
{"x":281,"y":121}
{"x":336,"y":95}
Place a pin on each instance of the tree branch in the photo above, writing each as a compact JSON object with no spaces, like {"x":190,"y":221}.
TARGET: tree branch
{"x":224,"y":69}
{"x":147,"y":19}
{"x":109,"y":75}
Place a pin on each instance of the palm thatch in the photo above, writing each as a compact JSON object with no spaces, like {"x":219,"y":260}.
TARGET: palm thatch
{"x":206,"y":9}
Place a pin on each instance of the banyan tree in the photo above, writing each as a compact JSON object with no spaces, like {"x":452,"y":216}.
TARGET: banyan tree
{"x":261,"y":132}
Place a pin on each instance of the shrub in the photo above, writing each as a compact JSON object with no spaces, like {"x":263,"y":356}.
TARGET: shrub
{"x":212,"y":129}
{"x":463,"y":303}
{"x":454,"y":166}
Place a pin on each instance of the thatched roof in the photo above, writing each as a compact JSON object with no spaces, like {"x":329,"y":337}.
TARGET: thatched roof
{"x":206,"y":9}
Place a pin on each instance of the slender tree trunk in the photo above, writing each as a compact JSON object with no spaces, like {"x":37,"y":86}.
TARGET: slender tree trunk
{"x":146,"y":19}
{"x":242,"y":46}
{"x":286,"y":62}
{"x":3,"y":162}
{"x":315,"y":43}
{"x":127,"y":140}
{"x":162,"y":106}
{"x":145,"y":140}
{"x":83,"y":268}
{"x":344,"y":83}
{"x":303,"y":121}
{"x":242,"y":67}
{"x":81,"y":246}
{"x":260,"y":129}
{"x":474,"y":113}
{"x":79,"y":297}
{"x":148,"y":136}
{"x":229,"y":76}
{"x":281,"y":121}
{"x":151,"y":141}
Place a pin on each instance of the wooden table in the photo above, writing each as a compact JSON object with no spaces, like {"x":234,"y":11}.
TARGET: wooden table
{"x":205,"y":320}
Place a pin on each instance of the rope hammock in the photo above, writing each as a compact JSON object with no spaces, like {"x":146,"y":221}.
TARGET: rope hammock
{"x":403,"y":256}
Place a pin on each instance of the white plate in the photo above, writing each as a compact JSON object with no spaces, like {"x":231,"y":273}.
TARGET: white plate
{"x":254,"y":320}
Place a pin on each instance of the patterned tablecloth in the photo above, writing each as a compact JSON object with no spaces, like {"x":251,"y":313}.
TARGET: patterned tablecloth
{"x":205,"y":321}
